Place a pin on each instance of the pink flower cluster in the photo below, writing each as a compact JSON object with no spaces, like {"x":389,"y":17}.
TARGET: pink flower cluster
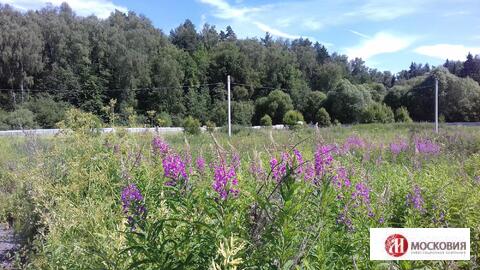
{"x":279,"y":168}
{"x":160,"y":146}
{"x":225,"y":181}
{"x":323,"y":159}
{"x":426,"y":146}
{"x":352,"y":143}
{"x":174,"y":168}
{"x":398,"y":146}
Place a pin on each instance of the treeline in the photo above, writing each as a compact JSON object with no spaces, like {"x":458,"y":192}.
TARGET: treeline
{"x":123,"y":66}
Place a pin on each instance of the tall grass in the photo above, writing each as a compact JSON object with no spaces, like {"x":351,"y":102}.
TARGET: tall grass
{"x":65,"y":194}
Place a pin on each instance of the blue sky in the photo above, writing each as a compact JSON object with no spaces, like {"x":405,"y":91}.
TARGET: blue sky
{"x":388,"y":35}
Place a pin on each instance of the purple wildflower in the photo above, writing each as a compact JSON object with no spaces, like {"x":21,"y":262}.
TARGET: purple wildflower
{"x":236,"y":160}
{"x":174,"y":168}
{"x":298,"y":161}
{"x":279,"y":169}
{"x":415,"y":199}
{"x":353,"y":142}
{"x":160,"y":146}
{"x":345,"y":220}
{"x":426,"y":146}
{"x":256,"y":169}
{"x":361,"y":193}
{"x":132,"y":204}
{"x":225,"y":181}
{"x":309,"y":172}
{"x":340,"y":178}
{"x":398,"y":147}
{"x":200,"y":162}
{"x":323,"y":159}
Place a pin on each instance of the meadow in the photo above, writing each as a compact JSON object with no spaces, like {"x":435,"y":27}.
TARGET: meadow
{"x":263,"y":199}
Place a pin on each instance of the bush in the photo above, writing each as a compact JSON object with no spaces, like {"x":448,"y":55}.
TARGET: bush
{"x":210,"y":126}
{"x":347,"y":101}
{"x":164,"y":120}
{"x":21,"y":119}
{"x":266,"y":120}
{"x":47,"y":112}
{"x":402,"y":115}
{"x":191,"y":125}
{"x":314,"y":102}
{"x":81,"y":122}
{"x":242,"y":113}
{"x":323,"y":118}
{"x":292,"y":118}
{"x":276,"y":104}
{"x":377,"y":113}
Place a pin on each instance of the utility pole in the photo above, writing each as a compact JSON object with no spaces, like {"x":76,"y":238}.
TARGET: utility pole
{"x":436,"y":105}
{"x":229,"y":110}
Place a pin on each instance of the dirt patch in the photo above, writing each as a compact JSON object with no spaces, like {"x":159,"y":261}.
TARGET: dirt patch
{"x":8,"y":246}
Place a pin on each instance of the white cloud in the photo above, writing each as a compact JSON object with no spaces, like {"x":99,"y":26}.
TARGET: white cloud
{"x":100,"y":8}
{"x":359,"y":34}
{"x":447,"y":51}
{"x":380,"y":10}
{"x":245,"y":15}
{"x":380,"y":43}
{"x":273,"y":31}
{"x":312,"y":24}
{"x":226,"y":11}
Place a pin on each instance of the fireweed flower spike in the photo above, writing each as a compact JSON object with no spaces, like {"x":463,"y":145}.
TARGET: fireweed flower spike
{"x":340,"y":179}
{"x":256,"y":169}
{"x":174,"y":168}
{"x":426,"y":146}
{"x":323,"y":159}
{"x":279,"y":169}
{"x":398,"y":147}
{"x":225,"y":181}
{"x":133,"y":205}
{"x":353,"y":142}
{"x":298,"y":161}
{"x":415,"y":199}
{"x":160,"y":146}
{"x":200,"y":162}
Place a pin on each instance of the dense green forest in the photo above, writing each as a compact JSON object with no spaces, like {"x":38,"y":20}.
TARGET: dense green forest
{"x":123,"y":69}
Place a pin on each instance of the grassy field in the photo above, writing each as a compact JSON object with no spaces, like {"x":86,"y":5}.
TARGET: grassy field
{"x":302,"y":199}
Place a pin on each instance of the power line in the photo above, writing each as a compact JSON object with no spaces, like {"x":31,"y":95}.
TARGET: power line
{"x":18,"y":90}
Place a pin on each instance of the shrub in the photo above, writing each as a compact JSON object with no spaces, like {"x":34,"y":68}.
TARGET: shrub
{"x":402,"y":115}
{"x":47,"y":112}
{"x":210,"y":126}
{"x":266,"y":120}
{"x":292,"y":118}
{"x":347,"y":101}
{"x":81,"y":122}
{"x":276,"y":104}
{"x":21,"y":119}
{"x":3,"y":117}
{"x":323,"y":118}
{"x":242,"y":113}
{"x":314,"y":102}
{"x":191,"y":125}
{"x":164,"y":120}
{"x":377,"y":113}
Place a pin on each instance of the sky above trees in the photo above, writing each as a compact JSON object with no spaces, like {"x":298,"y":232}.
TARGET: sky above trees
{"x":388,"y":35}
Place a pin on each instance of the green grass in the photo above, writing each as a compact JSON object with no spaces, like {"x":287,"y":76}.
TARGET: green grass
{"x":65,"y":195}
